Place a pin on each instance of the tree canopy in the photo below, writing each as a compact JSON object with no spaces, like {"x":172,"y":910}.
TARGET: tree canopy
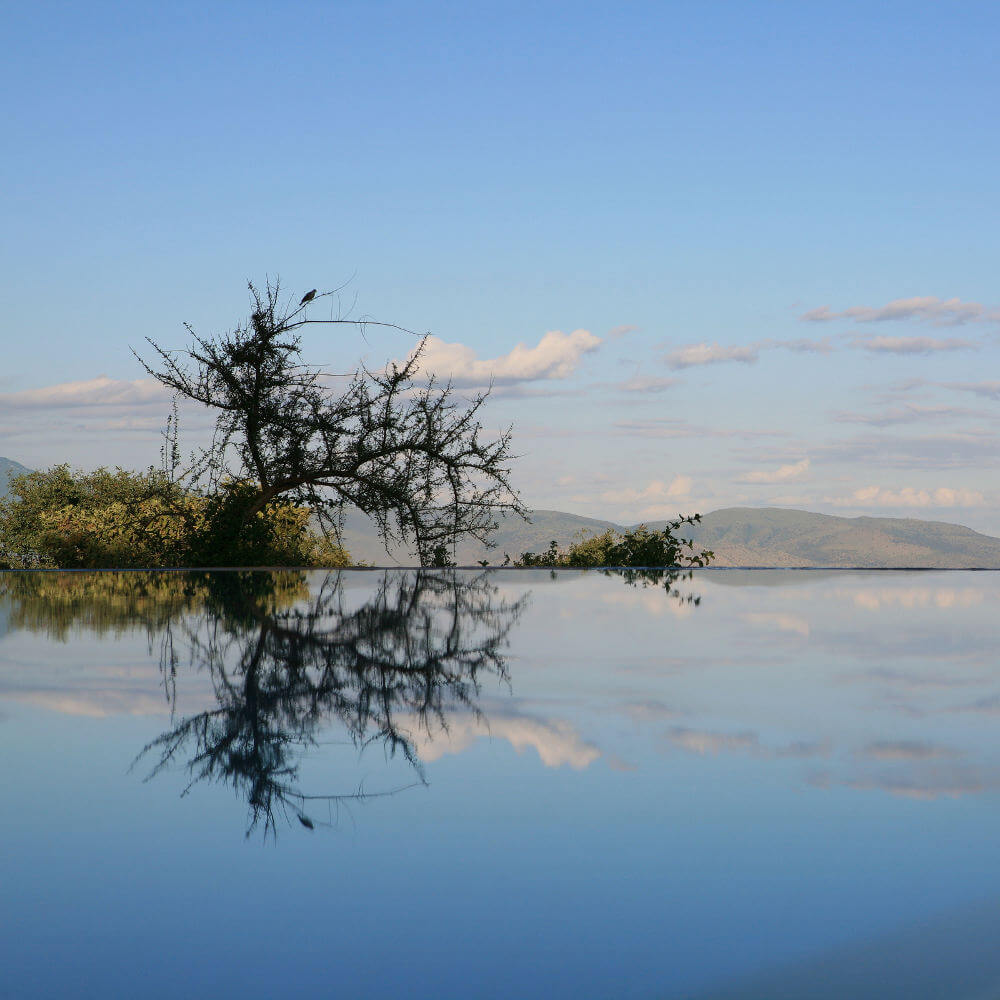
{"x":403,"y":449}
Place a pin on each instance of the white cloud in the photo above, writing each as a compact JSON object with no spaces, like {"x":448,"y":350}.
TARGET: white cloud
{"x":905,"y":750}
{"x":783,"y":474}
{"x":100,"y":391}
{"x":990,"y":390}
{"x":911,"y":345}
{"x":711,"y":354}
{"x":620,"y":331}
{"x":645,"y":384}
{"x":555,"y":356}
{"x":926,"y":308}
{"x":655,"y":492}
{"x":908,"y":496}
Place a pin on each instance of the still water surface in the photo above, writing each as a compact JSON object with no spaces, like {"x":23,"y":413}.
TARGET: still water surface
{"x":743,"y":784}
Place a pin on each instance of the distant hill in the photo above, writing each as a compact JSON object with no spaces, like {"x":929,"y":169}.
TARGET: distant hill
{"x":771,"y":536}
{"x":8,"y":468}
{"x":743,"y":536}
{"x":739,"y":536}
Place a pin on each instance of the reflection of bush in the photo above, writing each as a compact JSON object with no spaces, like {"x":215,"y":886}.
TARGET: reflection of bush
{"x":118,"y":602}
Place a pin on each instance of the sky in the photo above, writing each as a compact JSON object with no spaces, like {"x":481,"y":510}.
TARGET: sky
{"x":709,"y":254}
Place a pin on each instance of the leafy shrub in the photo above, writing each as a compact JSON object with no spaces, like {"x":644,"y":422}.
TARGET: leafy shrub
{"x":640,"y":547}
{"x":121,"y":519}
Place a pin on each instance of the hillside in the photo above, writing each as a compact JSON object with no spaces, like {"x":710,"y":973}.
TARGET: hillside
{"x":746,"y":536}
{"x":743,"y":536}
{"x":8,"y":468}
{"x":739,"y":536}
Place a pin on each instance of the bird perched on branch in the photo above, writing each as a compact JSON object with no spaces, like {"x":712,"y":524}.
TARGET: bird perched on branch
{"x":308,"y":297}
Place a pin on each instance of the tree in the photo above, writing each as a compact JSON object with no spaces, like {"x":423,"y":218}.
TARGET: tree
{"x":410,"y":456}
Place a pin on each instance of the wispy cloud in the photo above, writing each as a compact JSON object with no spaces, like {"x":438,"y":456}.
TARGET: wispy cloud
{"x":912,"y":345}
{"x":645,"y":384}
{"x":694,"y":355}
{"x":555,"y":356}
{"x":911,"y":413}
{"x":657,"y":491}
{"x":783,"y":474}
{"x":711,"y":354}
{"x":892,"y":750}
{"x":909,"y":496}
{"x":989,"y":390}
{"x":673,"y":427}
{"x":924,"y":308}
{"x":101,"y":391}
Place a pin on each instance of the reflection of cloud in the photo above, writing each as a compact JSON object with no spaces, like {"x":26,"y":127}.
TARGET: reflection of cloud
{"x":909,"y":680}
{"x":889,"y":750}
{"x":705,"y":743}
{"x":918,"y":597}
{"x":935,"y":784}
{"x":96,"y":704}
{"x":555,"y":740}
{"x":617,"y":763}
{"x":988,"y":705}
{"x":648,"y":711}
{"x":778,"y":620}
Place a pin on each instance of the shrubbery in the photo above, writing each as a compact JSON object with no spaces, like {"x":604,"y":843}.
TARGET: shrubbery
{"x":638,"y":547}
{"x":120,"y":519}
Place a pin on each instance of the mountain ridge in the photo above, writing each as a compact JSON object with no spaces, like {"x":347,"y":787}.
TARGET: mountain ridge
{"x":778,"y":537}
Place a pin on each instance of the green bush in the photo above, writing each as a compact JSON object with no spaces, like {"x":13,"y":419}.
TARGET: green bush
{"x":121,"y":519}
{"x":638,"y":547}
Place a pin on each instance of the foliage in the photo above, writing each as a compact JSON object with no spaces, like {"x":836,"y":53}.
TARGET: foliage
{"x":639,"y":547}
{"x":121,"y":519}
{"x":58,"y":604}
{"x":408,"y":455}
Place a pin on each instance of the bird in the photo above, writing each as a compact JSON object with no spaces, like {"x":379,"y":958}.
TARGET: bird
{"x":308,"y":297}
{"x":306,"y":821}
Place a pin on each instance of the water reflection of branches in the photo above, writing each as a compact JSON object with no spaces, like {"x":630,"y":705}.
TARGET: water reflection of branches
{"x":416,"y":648}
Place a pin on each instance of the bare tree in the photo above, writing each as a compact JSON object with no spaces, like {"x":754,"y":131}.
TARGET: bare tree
{"x":400,"y":448}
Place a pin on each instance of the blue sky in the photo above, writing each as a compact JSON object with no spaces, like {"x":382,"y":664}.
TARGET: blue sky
{"x":699,"y":176}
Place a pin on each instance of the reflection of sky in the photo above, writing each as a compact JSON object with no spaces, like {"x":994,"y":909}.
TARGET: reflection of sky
{"x":664,"y":799}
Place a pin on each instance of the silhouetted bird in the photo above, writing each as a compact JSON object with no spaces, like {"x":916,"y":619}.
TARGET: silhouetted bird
{"x":306,"y":821}
{"x":308,"y":297}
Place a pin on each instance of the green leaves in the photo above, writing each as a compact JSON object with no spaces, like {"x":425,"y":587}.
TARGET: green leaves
{"x":640,"y":547}
{"x":120,"y":519}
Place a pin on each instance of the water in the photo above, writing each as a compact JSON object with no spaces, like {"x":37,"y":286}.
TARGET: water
{"x":745,"y":784}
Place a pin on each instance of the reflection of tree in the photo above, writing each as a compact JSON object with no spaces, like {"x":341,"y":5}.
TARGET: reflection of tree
{"x":415,"y":648}
{"x":286,"y":658}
